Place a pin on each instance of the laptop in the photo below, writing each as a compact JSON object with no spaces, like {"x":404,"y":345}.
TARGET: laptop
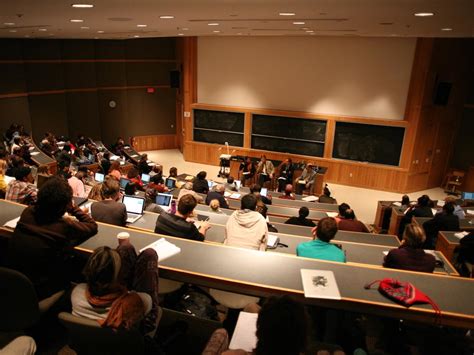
{"x":123,"y":183}
{"x":263,"y":191}
{"x":170,"y":183}
{"x":467,"y":195}
{"x":164,"y":201}
{"x":79,"y":200}
{"x":99,"y":177}
{"x":145,"y":179}
{"x":210,"y":184}
{"x":134,"y":206}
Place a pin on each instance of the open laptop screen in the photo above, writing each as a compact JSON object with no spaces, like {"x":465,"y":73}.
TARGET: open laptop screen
{"x":134,"y":204}
{"x":170,"y":183}
{"x":467,"y":196}
{"x":99,"y":177}
{"x":123,"y":183}
{"x":145,"y":178}
{"x":164,"y":200}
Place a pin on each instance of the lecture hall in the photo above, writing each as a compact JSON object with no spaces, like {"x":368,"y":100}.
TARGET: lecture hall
{"x":237,"y":177}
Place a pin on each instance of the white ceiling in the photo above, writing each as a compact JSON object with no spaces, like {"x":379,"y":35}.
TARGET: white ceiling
{"x":119,"y":18}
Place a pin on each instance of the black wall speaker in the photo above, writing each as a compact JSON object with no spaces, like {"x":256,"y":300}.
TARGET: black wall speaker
{"x":441,"y":95}
{"x":175,"y":79}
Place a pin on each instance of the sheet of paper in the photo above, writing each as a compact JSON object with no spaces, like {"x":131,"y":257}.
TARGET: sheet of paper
{"x":227,"y":194}
{"x":272,"y":240}
{"x":8,"y":178}
{"x":34,"y":153}
{"x":245,"y":332}
{"x":235,"y":195}
{"x":461,"y":235}
{"x":398,"y":204}
{"x":470,"y":212}
{"x":320,"y":284}
{"x":440,"y":203}
{"x":332,"y":214}
{"x":434,"y":210}
{"x":12,"y":223}
{"x":310,"y":198}
{"x":163,"y":248}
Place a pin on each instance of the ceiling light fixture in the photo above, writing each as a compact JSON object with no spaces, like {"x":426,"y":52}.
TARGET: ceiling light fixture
{"x":76,"y":20}
{"x":142,"y":25}
{"x":185,"y":29}
{"x":287,"y":14}
{"x":100,"y":31}
{"x":84,"y":28}
{"x":42,"y":29}
{"x":213,"y":24}
{"x":9,"y":24}
{"x":424,"y":14}
{"x":298,"y":23}
{"x":166,"y":17}
{"x":82,"y":6}
{"x":216,"y":31}
{"x":310,"y":31}
{"x":180,"y":34}
{"x":447,"y":29}
{"x":12,"y":31}
{"x":136,"y":36}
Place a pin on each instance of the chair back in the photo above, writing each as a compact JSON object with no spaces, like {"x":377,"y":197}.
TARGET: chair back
{"x":18,"y":301}
{"x":86,"y":336}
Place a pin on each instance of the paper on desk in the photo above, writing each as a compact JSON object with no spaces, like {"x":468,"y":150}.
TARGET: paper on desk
{"x":434,"y":210}
{"x":189,"y":178}
{"x":470,"y":212}
{"x":440,"y":203}
{"x":272,"y":240}
{"x":163,"y":248}
{"x":235,"y":195}
{"x":320,"y":284}
{"x":310,"y":198}
{"x":34,"y":153}
{"x":398,"y":204}
{"x":12,"y":223}
{"x":227,"y":194}
{"x":332,"y":214}
{"x":461,"y":235}
{"x":245,"y":336}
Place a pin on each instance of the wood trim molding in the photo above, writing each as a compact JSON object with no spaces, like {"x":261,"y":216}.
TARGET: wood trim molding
{"x":154,"y":142}
{"x":60,"y":61}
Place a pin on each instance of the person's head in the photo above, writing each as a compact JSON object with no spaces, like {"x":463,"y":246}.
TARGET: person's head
{"x":423,"y":201}
{"x":80,"y":175}
{"x":3,"y":166}
{"x":451,"y":199}
{"x":349,"y":214}
{"x":115,"y":165}
{"x":263,"y":158}
{"x":106,"y":156}
{"x":67,"y":148}
{"x":230,"y":180}
{"x":110,"y":188}
{"x":23,"y":173}
{"x":326,"y":191}
{"x":96,"y":192}
{"x":248,"y":202}
{"x":157,"y":179}
{"x":186,"y":205}
{"x":342,"y":208}
{"x":405,"y":200}
{"x":288,"y":189}
{"x":220,"y":189}
{"x":214,"y":205}
{"x":84,"y":169}
{"x":327,"y":229}
{"x":132,"y":173}
{"x":261,"y":208}
{"x":188,"y":185}
{"x":255,"y":189}
{"x":414,"y":236}
{"x":158,"y":169}
{"x":16,"y":161}
{"x":201,"y":175}
{"x":53,"y":199}
{"x":282,"y":327}
{"x":303,"y":212}
{"x":309,"y":166}
{"x":17,"y":140}
{"x":102,"y":270}
{"x":448,"y":208}
{"x":248,"y":160}
{"x":173,"y":172}
{"x":131,"y":188}
{"x":144,"y":157}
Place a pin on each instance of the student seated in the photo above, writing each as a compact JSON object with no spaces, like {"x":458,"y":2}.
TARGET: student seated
{"x":410,"y":254}
{"x":320,"y":247}
{"x":114,"y":170}
{"x":256,"y":189}
{"x":143,"y":166}
{"x":443,"y":221}
{"x":200,"y":184}
{"x":282,"y":328}
{"x":326,"y":196}
{"x":421,"y":209}
{"x":187,"y":189}
{"x":77,"y":184}
{"x":306,"y":179}
{"x":458,"y":211}
{"x":214,"y":206}
{"x":134,"y":177}
{"x":230,"y":184}
{"x":247,"y":228}
{"x":109,"y":210}
{"x":22,"y":190}
{"x":247,"y":170}
{"x":265,"y":170}
{"x":289,"y":195}
{"x":301,"y":220}
{"x":217,"y":194}
{"x":43,"y":240}
{"x":350,"y":223}
{"x":107,"y":295}
{"x":177,"y":225}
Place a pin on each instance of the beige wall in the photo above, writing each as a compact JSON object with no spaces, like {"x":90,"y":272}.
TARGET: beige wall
{"x":367,"y":77}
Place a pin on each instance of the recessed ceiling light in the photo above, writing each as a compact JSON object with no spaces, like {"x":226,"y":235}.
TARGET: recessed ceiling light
{"x":9,"y":24}
{"x":240,"y":33}
{"x":446,"y":29}
{"x":142,"y":25}
{"x":216,"y":31}
{"x":166,"y":17}
{"x":213,"y":24}
{"x":12,"y":31}
{"x":84,"y":28}
{"x":82,"y":6}
{"x":76,"y":20}
{"x":180,"y":34}
{"x":310,"y":31}
{"x":298,"y":23}
{"x":424,"y":14}
{"x":287,"y":14}
{"x":42,"y":29}
{"x":100,"y":31}
{"x":185,"y":29}
{"x":304,"y":28}
{"x":136,"y":36}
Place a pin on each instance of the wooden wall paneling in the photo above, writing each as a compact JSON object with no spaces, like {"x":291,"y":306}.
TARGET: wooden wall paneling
{"x":154,"y":142}
{"x":82,"y":114}
{"x":329,"y":142}
{"x":15,"y":109}
{"x":179,"y":96}
{"x":248,"y":130}
{"x":189,"y":84}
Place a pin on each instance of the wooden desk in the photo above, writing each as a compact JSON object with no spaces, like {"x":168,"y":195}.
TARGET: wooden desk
{"x":464,"y":224}
{"x":395,"y":219}
{"x":41,"y":158}
{"x":264,"y":274}
{"x":446,"y":243}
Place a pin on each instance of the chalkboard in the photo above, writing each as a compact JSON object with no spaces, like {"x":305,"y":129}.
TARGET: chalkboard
{"x":210,"y":136}
{"x":219,"y":120}
{"x":292,"y":146}
{"x":289,"y":127}
{"x":368,"y":143}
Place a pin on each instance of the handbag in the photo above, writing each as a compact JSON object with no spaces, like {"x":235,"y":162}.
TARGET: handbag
{"x":403,"y":293}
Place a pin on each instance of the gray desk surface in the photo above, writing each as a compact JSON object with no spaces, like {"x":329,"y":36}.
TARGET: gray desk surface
{"x":464,"y":224}
{"x":263,"y":274}
{"x":450,"y":237}
{"x":10,"y":210}
{"x":38,"y":156}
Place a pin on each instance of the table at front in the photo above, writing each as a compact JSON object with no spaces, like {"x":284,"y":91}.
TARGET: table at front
{"x":264,"y":274}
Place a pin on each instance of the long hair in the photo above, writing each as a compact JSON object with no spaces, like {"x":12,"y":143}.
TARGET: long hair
{"x":102,"y":270}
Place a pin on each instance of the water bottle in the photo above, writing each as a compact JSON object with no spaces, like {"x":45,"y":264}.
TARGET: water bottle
{"x":173,"y":207}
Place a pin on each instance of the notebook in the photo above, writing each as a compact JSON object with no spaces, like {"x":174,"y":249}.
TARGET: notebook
{"x":163,"y":248}
{"x":164,"y":200}
{"x":263,"y":191}
{"x":134,"y":206}
{"x":272,"y":241}
{"x":320,"y":284}
{"x":244,"y":336}
{"x":99,"y":177}
{"x":145,"y":179}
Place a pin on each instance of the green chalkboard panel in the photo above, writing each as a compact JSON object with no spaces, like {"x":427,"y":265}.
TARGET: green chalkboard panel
{"x":211,"y":136}
{"x":289,"y":127}
{"x":368,"y":143}
{"x":219,"y":120}
{"x":286,"y":145}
